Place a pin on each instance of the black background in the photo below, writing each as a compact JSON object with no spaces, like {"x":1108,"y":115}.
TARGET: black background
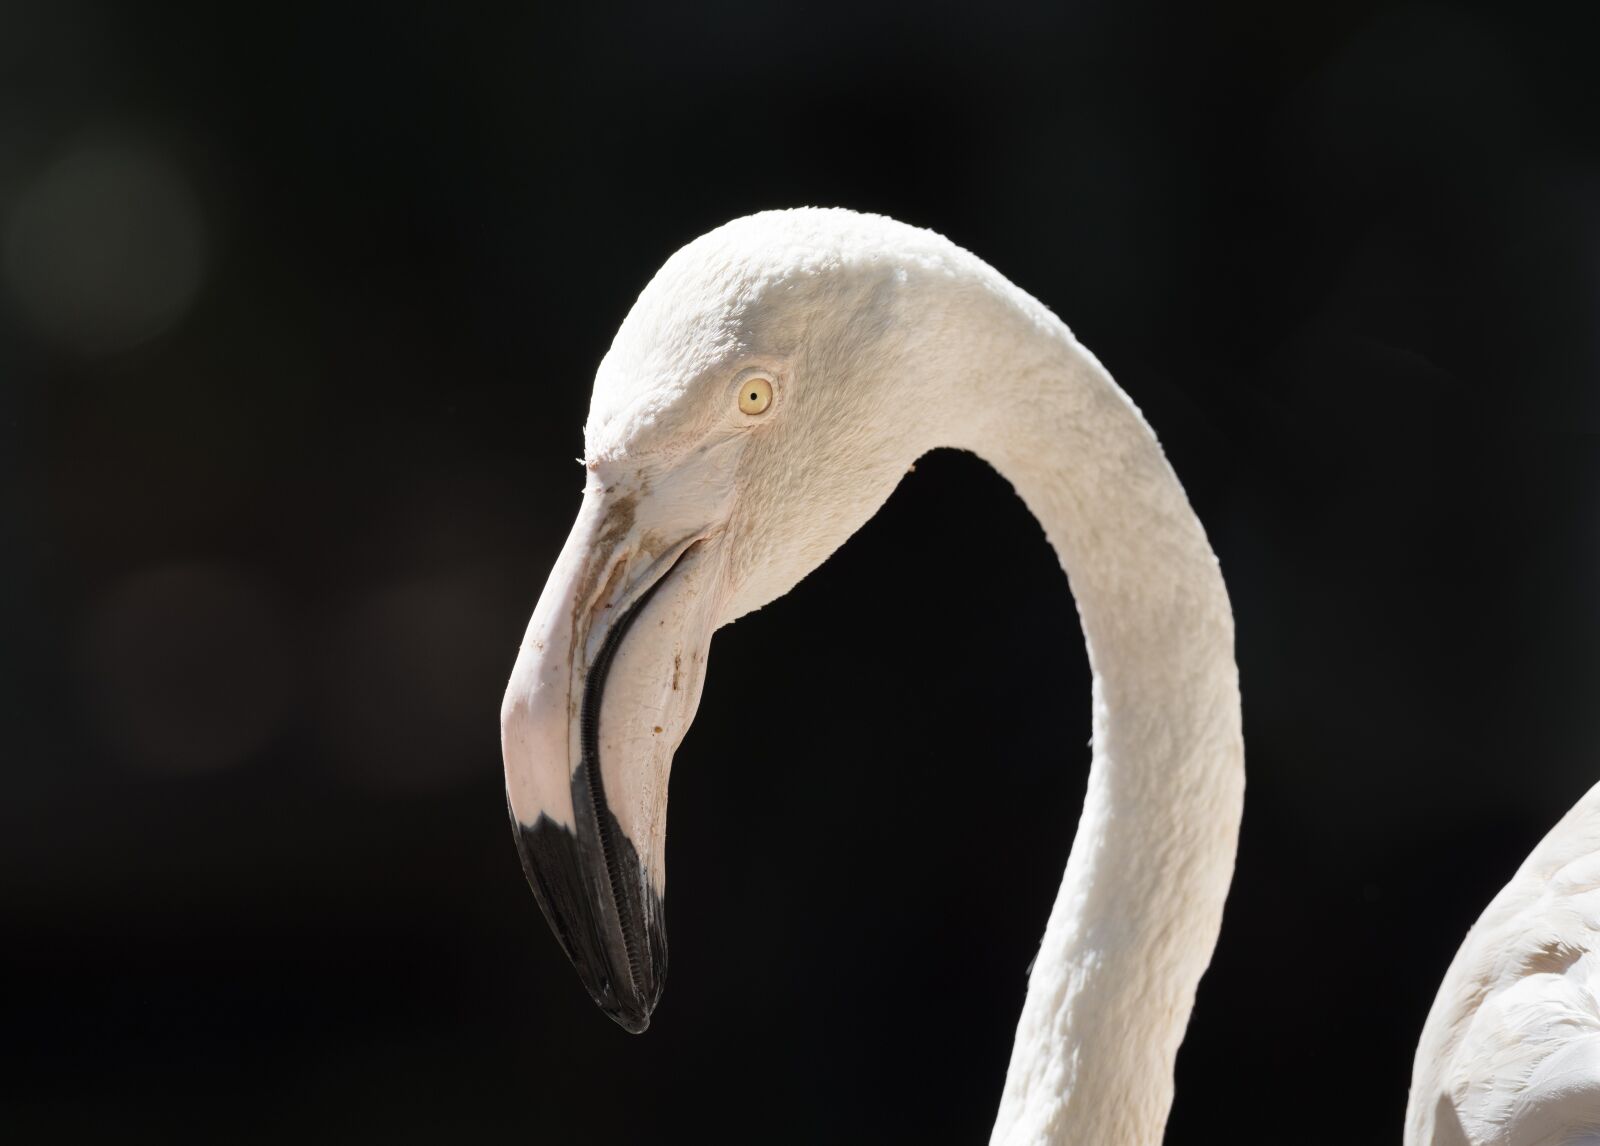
{"x":299,"y":308}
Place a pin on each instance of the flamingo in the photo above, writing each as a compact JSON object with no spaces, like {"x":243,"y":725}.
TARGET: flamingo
{"x":760,"y":402}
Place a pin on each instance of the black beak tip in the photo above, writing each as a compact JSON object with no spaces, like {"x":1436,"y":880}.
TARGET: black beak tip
{"x":565,"y":877}
{"x":635,"y":1022}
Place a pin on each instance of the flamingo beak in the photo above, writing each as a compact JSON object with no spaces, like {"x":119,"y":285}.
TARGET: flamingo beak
{"x":605,"y":685}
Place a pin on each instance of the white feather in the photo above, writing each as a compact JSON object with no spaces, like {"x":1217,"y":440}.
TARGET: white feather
{"x":1510,"y":1054}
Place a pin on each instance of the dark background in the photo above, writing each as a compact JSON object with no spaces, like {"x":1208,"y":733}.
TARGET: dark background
{"x":299,"y":309}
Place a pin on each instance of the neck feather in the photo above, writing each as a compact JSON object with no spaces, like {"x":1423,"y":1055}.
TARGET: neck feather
{"x":1140,"y":907}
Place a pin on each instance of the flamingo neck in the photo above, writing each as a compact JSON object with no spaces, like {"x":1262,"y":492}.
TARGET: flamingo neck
{"x":1140,"y":906}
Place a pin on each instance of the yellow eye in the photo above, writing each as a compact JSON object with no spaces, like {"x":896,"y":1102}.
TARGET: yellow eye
{"x":755,"y":396}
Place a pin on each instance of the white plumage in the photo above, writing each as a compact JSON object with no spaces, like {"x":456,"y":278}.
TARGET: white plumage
{"x":1510,"y":1054}
{"x":869,"y":343}
{"x":881,"y":342}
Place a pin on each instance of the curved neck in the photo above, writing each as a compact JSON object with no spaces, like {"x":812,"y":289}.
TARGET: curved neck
{"x":1140,"y":907}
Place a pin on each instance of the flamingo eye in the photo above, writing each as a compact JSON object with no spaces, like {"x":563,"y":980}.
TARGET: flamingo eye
{"x":755,"y":396}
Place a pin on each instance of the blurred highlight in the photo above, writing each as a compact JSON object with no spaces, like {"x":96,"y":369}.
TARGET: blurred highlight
{"x":104,"y":248}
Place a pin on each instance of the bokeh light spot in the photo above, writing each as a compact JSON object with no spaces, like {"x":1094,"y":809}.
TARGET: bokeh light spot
{"x":105,"y":248}
{"x":411,"y":685}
